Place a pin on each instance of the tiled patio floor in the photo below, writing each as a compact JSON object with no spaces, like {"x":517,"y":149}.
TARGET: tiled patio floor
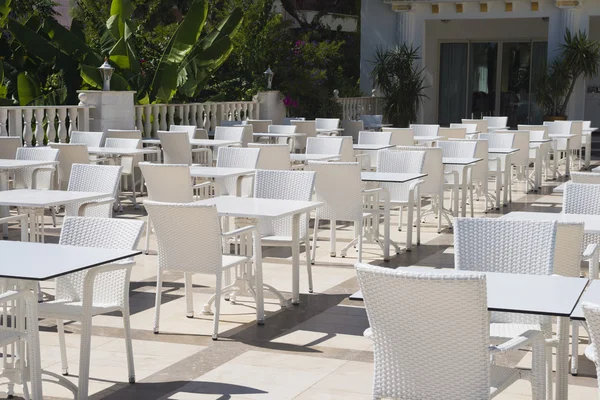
{"x":311,"y":351}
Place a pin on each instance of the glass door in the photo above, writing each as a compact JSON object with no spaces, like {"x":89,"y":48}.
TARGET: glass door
{"x":453,"y":82}
{"x":482,"y":79}
{"x":515,"y":99}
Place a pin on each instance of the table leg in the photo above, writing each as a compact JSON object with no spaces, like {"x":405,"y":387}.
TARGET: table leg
{"x":568,"y":158}
{"x":258,"y":277}
{"x":84,"y":359}
{"x":562,"y":359}
{"x":386,"y":226}
{"x":4,"y":211}
{"x":296,"y":259}
{"x":507,"y":177}
{"x":588,"y":151}
{"x":464,"y":185}
{"x":33,"y":348}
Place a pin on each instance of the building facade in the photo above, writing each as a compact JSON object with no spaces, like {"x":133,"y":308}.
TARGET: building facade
{"x":482,"y":57}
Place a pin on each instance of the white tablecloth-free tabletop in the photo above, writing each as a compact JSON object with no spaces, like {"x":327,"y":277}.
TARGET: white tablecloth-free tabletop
{"x":428,"y":138}
{"x":219,"y":172}
{"x":389,"y":177}
{"x":591,"y":222}
{"x":198,"y":142}
{"x":256,"y":208}
{"x":279,"y":135}
{"x":497,"y":150}
{"x":114,"y":151}
{"x":30,"y":198}
{"x":16,"y":164}
{"x":373,"y":147}
{"x":460,"y":161}
{"x":295,"y":157}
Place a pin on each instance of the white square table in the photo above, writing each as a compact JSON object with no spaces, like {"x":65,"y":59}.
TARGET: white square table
{"x":504,"y":152}
{"x":390,"y":177}
{"x":304,"y":158}
{"x":568,"y":138}
{"x":10,"y":165}
{"x":273,"y":137}
{"x":591,"y":223}
{"x":372,"y":147}
{"x":466,"y":164}
{"x":334,"y":130}
{"x":591,"y":295}
{"x":32,"y":201}
{"x":258,"y":209}
{"x":30,"y":263}
{"x":421,"y":139}
{"x":530,"y":294}
{"x":218,"y":173}
{"x":112,"y":152}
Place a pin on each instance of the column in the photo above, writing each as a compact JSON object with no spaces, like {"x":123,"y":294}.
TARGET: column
{"x":406,"y":27}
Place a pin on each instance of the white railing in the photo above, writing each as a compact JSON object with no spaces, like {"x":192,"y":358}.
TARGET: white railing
{"x":53,"y":122}
{"x":354,"y":107}
{"x":158,"y":117}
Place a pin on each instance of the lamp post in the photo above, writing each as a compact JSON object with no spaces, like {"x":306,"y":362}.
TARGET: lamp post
{"x":269,"y":74}
{"x":106,"y":72}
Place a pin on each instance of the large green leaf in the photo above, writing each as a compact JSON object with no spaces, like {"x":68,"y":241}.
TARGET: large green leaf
{"x":121,"y":28}
{"x":164,"y":84}
{"x":4,"y":10}
{"x":92,"y":77}
{"x":37,"y":45}
{"x":28,"y":88}
{"x":229,"y":26}
{"x":67,"y":41}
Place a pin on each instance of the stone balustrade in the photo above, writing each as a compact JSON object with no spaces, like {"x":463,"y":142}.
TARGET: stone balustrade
{"x":34,"y":123}
{"x":151,"y":118}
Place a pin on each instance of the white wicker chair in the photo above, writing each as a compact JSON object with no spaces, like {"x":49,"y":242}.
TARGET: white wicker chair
{"x":450,"y":359}
{"x":520,"y":160}
{"x":90,"y":139}
{"x":495,"y":123}
{"x":560,"y":145}
{"x":454,"y":176}
{"x":272,"y":156}
{"x":104,"y":289}
{"x":371,"y":137}
{"x":9,"y":146}
{"x":190,"y":129}
{"x":592,"y":318}
{"x":352,"y":128}
{"x":453,"y":133}
{"x":281,"y":129}
{"x":171,"y":183}
{"x":339,"y":187}
{"x":425,"y":129}
{"x":320,"y":145}
{"x":94,"y":178}
{"x":504,"y":245}
{"x":482,"y":124}
{"x":286,"y":185}
{"x":36,"y":177}
{"x":404,"y":194}
{"x":259,"y":125}
{"x":16,"y":330}
{"x":327,"y":123}
{"x":178,"y":150}
{"x":401,"y":136}
{"x":372,"y":121}
{"x":183,"y":247}
{"x":237,"y":157}
{"x":497,"y":167}
{"x":235,"y":133}
{"x":201,"y":134}
{"x":470,"y":128}
{"x":129,"y":163}
{"x":288,"y":120}
{"x":306,"y":127}
{"x":69,"y":154}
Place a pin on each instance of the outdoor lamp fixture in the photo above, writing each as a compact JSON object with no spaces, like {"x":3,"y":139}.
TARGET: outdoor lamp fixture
{"x":106,"y":72}
{"x":269,"y":74}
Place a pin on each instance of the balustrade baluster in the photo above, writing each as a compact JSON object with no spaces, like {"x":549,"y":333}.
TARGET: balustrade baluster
{"x":155,"y":115}
{"x":39,"y":126}
{"x":171,"y":115}
{"x":73,"y":123}
{"x":62,"y":128}
{"x":27,"y":134}
{"x":148,"y":121}
{"x":163,"y":117}
{"x":51,"y":128}
{"x":139,"y":111}
{"x":3,"y":119}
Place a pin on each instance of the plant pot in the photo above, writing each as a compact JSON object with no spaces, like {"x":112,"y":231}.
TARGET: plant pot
{"x":555,"y":118}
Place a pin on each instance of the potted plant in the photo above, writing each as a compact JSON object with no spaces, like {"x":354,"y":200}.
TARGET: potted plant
{"x":401,"y":82}
{"x":580,"y":57}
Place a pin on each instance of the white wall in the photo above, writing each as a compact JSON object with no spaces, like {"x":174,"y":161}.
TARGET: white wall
{"x":513,"y":29}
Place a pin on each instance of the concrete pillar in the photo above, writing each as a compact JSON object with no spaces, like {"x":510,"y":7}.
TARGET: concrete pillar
{"x":271,"y":106}
{"x":111,"y":109}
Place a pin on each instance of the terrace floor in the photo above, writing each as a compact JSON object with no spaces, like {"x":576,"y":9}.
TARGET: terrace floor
{"x":312,"y":351}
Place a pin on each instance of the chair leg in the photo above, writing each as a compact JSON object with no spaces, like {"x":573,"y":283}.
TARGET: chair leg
{"x":189,"y":297}
{"x":400,"y":219}
{"x":439,"y":210}
{"x":53,"y":211}
{"x":332,"y":227}
{"x":132,"y":177}
{"x":148,"y":230}
{"x":218,"y":306}
{"x":84,"y":359}
{"x":158,"y":301}
{"x":307,"y":253}
{"x":359,"y":225}
{"x":574,"y":347}
{"x":418,"y":220}
{"x":409,"y":227}
{"x":63,"y":346}
{"x":314,"y":245}
{"x":472,"y":199}
{"x":128,"y":343}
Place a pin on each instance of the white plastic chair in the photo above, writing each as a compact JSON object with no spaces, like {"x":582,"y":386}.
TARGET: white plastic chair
{"x":129,"y":163}
{"x":170,"y":183}
{"x":185,"y":247}
{"x":328,"y":125}
{"x":68,"y":155}
{"x":100,"y":290}
{"x":94,"y":178}
{"x":495,"y":123}
{"x":401,"y":136}
{"x":450,"y":359}
{"x":237,"y":157}
{"x":470,"y":128}
{"x":404,"y":194}
{"x":338,"y":185}
{"x":306,"y":127}
{"x":36,"y":177}
{"x":482,"y":124}
{"x":504,"y":245}
{"x":177,"y":149}
{"x":286,"y":185}
{"x":272,"y":156}
{"x":9,"y":146}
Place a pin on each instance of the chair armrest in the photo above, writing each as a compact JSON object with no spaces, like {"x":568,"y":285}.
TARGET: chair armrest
{"x":91,"y":203}
{"x":35,"y":173}
{"x":592,"y":256}
{"x":517,"y":342}
{"x":22,"y":218}
{"x":414,"y":184}
{"x":12,"y":295}
{"x":367,"y":192}
{"x":238,"y":232}
{"x":368,"y":333}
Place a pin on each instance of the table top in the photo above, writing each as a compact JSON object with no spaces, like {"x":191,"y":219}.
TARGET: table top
{"x":591,"y":295}
{"x":371,"y":126}
{"x":321,"y":130}
{"x":539,"y":140}
{"x":591,"y":222}
{"x":219,"y":172}
{"x":590,"y":129}
{"x":29,"y":198}
{"x":524,"y":294}
{"x":121,"y":151}
{"x":460,"y":161}
{"x":428,"y":138}
{"x":41,"y":261}
{"x":279,"y":135}
{"x":390,"y":177}
{"x":496,"y":150}
{"x":16,"y":164}
{"x":312,"y":157}
{"x":596,"y":169}
{"x":561,"y":136}
{"x":559,"y":189}
{"x":249,"y":207}
{"x":198,"y":142}
{"x":371,"y":146}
